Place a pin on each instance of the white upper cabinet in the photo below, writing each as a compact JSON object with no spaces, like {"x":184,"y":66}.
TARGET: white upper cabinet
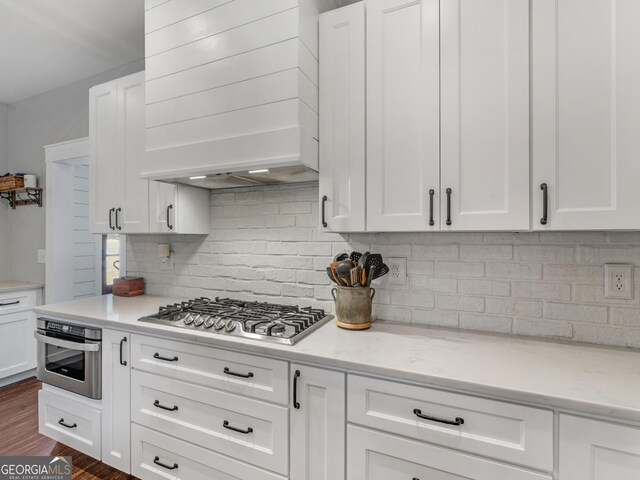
{"x":231,"y":86}
{"x":342,"y":119}
{"x":586,"y":114}
{"x":484,"y":115}
{"x":118,"y":197}
{"x":403,"y":104}
{"x":595,"y":450}
{"x":178,"y":209}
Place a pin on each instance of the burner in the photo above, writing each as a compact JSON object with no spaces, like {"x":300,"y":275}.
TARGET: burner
{"x":256,"y":320}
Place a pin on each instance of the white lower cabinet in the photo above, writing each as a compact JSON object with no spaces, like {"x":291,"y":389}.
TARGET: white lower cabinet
{"x":317,"y":424}
{"x":70,"y":419}
{"x":596,"y":450}
{"x":380,"y":456}
{"x":116,"y":404}
{"x":157,"y":456}
{"x":17,"y":324}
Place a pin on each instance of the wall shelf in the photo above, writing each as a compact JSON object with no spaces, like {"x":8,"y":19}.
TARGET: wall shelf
{"x":15,"y":199}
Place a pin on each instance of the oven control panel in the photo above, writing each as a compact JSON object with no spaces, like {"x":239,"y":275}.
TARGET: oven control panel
{"x":65,"y":328}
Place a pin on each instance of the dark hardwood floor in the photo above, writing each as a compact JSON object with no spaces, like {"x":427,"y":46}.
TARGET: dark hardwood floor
{"x":19,"y":433}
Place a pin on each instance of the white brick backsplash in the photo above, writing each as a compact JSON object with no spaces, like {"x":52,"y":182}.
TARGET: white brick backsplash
{"x":484,"y":287}
{"x":486,"y":323}
{"x":460,"y":303}
{"x":513,"y":307}
{"x":577,"y":313}
{"x":459,"y":269}
{"x":520,"y":271}
{"x":545,"y":253}
{"x":486,"y":252}
{"x":542,"y":328}
{"x":435,"y":318}
{"x":542,"y":291}
{"x":267,"y":244}
{"x":425,"y":300}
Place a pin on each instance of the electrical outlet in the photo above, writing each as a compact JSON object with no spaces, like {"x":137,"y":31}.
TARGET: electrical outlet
{"x":397,"y":271}
{"x":42,"y":256}
{"x":618,"y":281}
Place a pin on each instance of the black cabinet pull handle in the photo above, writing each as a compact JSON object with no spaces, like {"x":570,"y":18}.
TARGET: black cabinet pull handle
{"x":324,"y":202}
{"x":226,"y":425}
{"x":432,"y":192}
{"x":9,"y":303}
{"x":418,"y":413}
{"x":169,"y":226}
{"x":448,"y":206}
{"x":545,"y":203}
{"x":169,"y":409}
{"x":158,"y":357}
{"x":243,"y":375}
{"x":111,"y":210}
{"x":164,"y":465}
{"x":61,"y":422}
{"x":296,"y":404}
{"x":122,"y":342}
{"x":118,"y":210}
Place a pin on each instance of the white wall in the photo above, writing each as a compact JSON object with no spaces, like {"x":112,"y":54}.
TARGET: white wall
{"x":55,"y":116}
{"x":4,"y":215}
{"x":266,"y":243}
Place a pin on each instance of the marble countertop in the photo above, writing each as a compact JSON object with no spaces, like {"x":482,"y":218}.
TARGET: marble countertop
{"x":587,"y":379}
{"x":11,"y":286}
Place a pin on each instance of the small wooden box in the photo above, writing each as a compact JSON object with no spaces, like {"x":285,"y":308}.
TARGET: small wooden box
{"x":128,"y":286}
{"x":11,"y":183}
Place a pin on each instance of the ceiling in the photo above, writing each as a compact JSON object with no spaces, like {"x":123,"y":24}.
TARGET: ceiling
{"x":45,"y":44}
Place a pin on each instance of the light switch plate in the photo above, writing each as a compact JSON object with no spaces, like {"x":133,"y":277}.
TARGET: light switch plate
{"x":42,"y":256}
{"x":618,"y":281}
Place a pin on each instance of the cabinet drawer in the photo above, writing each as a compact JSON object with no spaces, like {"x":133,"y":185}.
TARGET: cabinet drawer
{"x":249,"y":430}
{"x":191,"y":462}
{"x":514,"y":433}
{"x":247,"y":375}
{"x":82,"y":430}
{"x":12,"y":302}
{"x":379,"y":456}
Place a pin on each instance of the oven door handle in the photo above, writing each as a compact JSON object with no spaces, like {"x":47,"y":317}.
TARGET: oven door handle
{"x":83,"y":347}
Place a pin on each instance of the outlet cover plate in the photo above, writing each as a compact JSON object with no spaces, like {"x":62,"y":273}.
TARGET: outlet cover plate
{"x":397,"y":271}
{"x":618,"y":281}
{"x":42,"y":256}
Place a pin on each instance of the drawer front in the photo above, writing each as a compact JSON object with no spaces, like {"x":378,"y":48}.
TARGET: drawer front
{"x":247,"y":375}
{"x":12,"y":302}
{"x":73,"y":423}
{"x":513,"y":433}
{"x":249,"y":430}
{"x":156,"y":456}
{"x":379,"y":456}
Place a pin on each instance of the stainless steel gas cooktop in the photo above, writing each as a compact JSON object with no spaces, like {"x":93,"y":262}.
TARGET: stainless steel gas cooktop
{"x":284,"y":324}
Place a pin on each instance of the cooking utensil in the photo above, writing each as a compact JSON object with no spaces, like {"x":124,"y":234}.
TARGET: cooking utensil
{"x":355,"y":256}
{"x":330,"y":274}
{"x":332,"y":267}
{"x":340,"y":257}
{"x":361,"y":264}
{"x":383,"y":271}
{"x":370,"y":275}
{"x":343,"y":271}
{"x":355,"y":276}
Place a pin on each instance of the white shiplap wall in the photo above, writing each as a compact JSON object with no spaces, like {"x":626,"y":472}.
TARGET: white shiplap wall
{"x":266,"y":243}
{"x":84,"y":242}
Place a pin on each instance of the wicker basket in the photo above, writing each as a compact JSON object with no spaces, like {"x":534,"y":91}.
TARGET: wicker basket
{"x":11,"y":183}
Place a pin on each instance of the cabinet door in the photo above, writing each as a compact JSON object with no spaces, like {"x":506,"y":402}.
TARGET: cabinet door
{"x":105,"y":161}
{"x":379,"y":456}
{"x":162,"y":208}
{"x":116,"y":408}
{"x":586,"y":113}
{"x":598,"y":450}
{"x":485,"y":114}
{"x":342,"y":123}
{"x":403,"y":114}
{"x":134,"y":217}
{"x":17,"y":345}
{"x":317,"y":424}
